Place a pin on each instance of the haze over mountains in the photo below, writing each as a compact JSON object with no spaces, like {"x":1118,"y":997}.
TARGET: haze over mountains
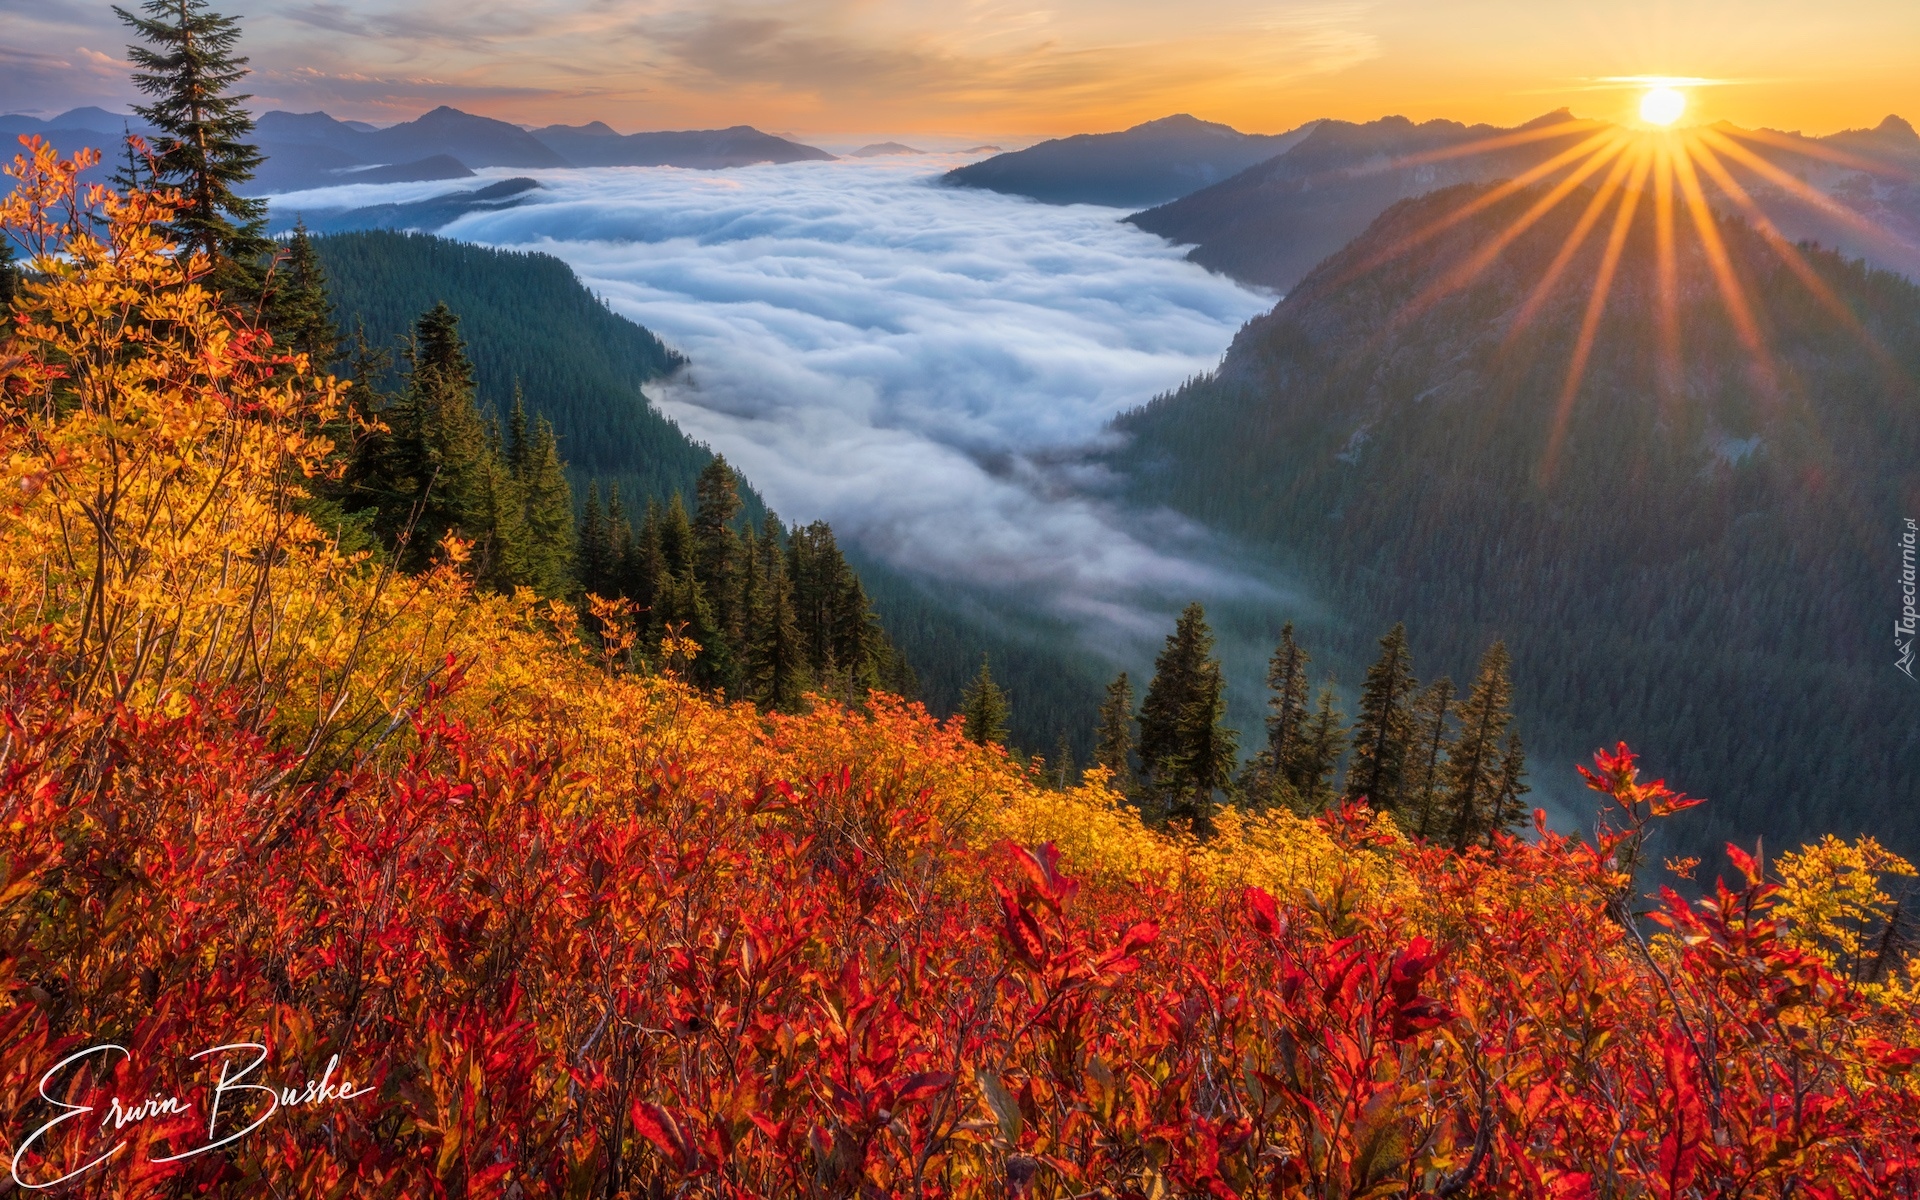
{"x":312,"y":150}
{"x":1147,"y":164}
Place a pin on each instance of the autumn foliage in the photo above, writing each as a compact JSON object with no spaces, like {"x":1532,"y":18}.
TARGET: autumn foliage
{"x":578,"y":931}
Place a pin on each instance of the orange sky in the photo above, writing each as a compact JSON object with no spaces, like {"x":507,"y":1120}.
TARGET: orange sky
{"x":1011,"y":68}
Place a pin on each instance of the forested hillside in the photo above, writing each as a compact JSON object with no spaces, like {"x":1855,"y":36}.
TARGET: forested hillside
{"x":1698,"y":548}
{"x":528,"y":321}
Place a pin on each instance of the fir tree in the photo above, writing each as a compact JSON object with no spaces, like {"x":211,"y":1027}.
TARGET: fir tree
{"x":594,"y":547}
{"x":1508,"y":807}
{"x":1063,"y":764}
{"x":1322,"y":743}
{"x":499,"y":523}
{"x":984,"y":708}
{"x":1473,"y":767}
{"x":1382,"y":731}
{"x":189,"y":68}
{"x":777,"y":668}
{"x":1426,"y":777}
{"x":1268,"y":779}
{"x":297,"y":309}
{"x":1185,"y":747}
{"x":542,"y":480}
{"x":1113,"y":740}
{"x":717,"y":564}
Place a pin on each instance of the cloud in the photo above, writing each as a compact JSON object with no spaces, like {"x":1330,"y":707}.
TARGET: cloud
{"x":924,"y":367}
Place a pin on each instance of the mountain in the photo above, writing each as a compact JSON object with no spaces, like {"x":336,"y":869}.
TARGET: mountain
{"x":84,"y":120}
{"x":435,"y":212}
{"x":313,"y":150}
{"x":527,"y":319}
{"x":597,"y":145}
{"x":1148,"y":164}
{"x":1698,"y":551}
{"x":1270,"y":224}
{"x":879,"y":149}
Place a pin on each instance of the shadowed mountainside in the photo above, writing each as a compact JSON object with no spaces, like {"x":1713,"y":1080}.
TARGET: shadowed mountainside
{"x":1148,"y":164}
{"x":1698,"y":552}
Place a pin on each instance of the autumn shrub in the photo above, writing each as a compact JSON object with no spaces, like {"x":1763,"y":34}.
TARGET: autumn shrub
{"x":549,"y":927}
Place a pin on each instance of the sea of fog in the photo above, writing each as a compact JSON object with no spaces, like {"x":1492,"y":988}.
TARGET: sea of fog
{"x":925,"y":367}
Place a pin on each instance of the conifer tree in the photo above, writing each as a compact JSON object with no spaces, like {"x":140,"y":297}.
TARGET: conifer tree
{"x":189,"y":68}
{"x":1063,"y":764}
{"x":1185,"y":747}
{"x":548,"y":498}
{"x":1323,"y":741}
{"x":426,"y":468}
{"x":593,"y":544}
{"x":641,"y":573}
{"x":1268,"y":779}
{"x":1382,"y":731}
{"x":777,"y":668}
{"x":1113,"y":740}
{"x":717,"y":564}
{"x":1474,"y":766}
{"x":298,"y":312}
{"x":984,"y":708}
{"x":502,"y":540}
{"x":1426,"y":776}
{"x":1508,"y":810}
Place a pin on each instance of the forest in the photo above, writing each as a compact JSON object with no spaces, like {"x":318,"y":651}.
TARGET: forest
{"x":1694,"y":549}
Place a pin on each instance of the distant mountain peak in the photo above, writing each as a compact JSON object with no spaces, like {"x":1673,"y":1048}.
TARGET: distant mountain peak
{"x":1558,"y":116}
{"x":1897,"y":127}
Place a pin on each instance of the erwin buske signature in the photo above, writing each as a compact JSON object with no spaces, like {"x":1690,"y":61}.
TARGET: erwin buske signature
{"x":227,"y":1089}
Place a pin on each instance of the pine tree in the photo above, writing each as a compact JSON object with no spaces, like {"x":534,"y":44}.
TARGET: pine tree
{"x":426,"y":468}
{"x":1267,"y":780}
{"x":1508,"y":810}
{"x":594,"y":547}
{"x":1324,"y":741}
{"x":298,"y":313}
{"x":777,"y":669}
{"x":534,"y":460}
{"x":984,"y":708}
{"x":1382,"y":732}
{"x":1473,"y":767}
{"x":1426,"y":777}
{"x":189,"y":68}
{"x":1113,"y":740}
{"x":1185,"y":747}
{"x":717,"y":564}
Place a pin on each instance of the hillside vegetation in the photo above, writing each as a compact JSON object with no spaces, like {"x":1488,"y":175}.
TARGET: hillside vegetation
{"x":568,"y":928}
{"x":1698,"y":549}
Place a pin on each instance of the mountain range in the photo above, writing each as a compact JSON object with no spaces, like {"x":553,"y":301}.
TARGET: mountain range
{"x":313,"y":150}
{"x":1147,"y":164}
{"x":1857,"y":191}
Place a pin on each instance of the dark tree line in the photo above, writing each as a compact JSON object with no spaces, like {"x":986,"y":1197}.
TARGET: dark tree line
{"x":777,"y":612}
{"x":1449,"y":769}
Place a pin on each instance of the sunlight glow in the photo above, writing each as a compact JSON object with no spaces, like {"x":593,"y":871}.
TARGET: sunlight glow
{"x":1662,"y":106}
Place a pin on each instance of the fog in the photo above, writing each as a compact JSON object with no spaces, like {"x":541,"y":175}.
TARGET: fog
{"x":924,"y":367}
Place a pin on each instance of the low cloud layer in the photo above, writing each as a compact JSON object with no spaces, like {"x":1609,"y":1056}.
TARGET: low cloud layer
{"x":924,"y":367}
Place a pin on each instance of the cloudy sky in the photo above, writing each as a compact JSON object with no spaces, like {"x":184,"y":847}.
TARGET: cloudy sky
{"x":1014,"y":67}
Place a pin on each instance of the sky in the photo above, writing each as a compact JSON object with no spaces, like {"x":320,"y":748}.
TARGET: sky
{"x":1015,"y":69}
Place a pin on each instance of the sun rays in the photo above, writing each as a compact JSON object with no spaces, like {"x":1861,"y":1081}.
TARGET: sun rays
{"x":1681,"y":181}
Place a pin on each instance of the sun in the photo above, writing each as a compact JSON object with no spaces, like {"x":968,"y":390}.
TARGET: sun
{"x":1662,"y":106}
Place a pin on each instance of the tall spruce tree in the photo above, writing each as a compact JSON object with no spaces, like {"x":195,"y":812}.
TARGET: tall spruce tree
{"x":1322,"y":744}
{"x":189,"y":68}
{"x":297,"y":309}
{"x":984,"y":708}
{"x":1508,"y":807}
{"x":1186,"y":749}
{"x":1426,"y":775}
{"x":717,"y":564}
{"x":595,"y":567}
{"x":1382,"y":730}
{"x":777,"y":670}
{"x":1113,"y":739}
{"x":541,"y":477}
{"x":1474,"y":766}
{"x":1268,"y":779}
